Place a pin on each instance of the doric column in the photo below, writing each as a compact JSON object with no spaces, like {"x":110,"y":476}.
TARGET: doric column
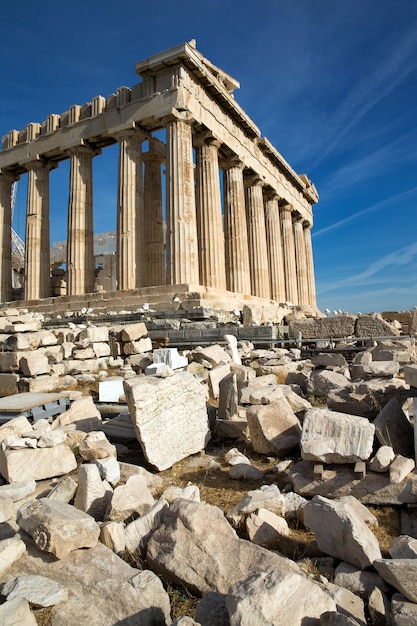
{"x":310,"y":265}
{"x":80,"y":248}
{"x":274,"y":247}
{"x":255,"y":220}
{"x":209,"y":213}
{"x":300,"y":260}
{"x":288,"y":248}
{"x":182,"y":253}
{"x":154,"y":267}
{"x":235,"y":231}
{"x":130,"y":236}
{"x":37,"y":245}
{"x":6,"y":182}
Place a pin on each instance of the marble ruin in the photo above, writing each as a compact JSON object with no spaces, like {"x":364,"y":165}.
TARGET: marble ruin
{"x":247,"y":233}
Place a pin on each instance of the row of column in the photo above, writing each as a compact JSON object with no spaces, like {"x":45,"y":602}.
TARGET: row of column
{"x":260,"y":246}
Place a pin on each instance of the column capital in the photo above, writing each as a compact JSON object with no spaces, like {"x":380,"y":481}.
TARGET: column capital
{"x":178,"y":116}
{"x":11,"y":176}
{"x":231,"y":162}
{"x":206,"y":138}
{"x":286,"y":208}
{"x":84,"y":149}
{"x":271,"y":194}
{"x":40,"y":163}
{"x":131,"y":131}
{"x":307,"y":223}
{"x":253,"y":180}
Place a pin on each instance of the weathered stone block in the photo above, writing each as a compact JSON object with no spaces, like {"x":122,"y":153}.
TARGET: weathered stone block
{"x":325,"y":327}
{"x":57,"y":527}
{"x":34,"y":364}
{"x":170,"y":416}
{"x":274,"y":428}
{"x":333,"y":437}
{"x":392,"y":428}
{"x":8,"y":384}
{"x":36,"y":464}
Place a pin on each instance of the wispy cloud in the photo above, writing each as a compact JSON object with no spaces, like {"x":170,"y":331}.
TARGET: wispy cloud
{"x":359,"y":214}
{"x":396,"y":259}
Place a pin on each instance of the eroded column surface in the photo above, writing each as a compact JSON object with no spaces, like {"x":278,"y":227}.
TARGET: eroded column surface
{"x":300,"y":260}
{"x":310,"y":265}
{"x":80,"y":248}
{"x":154,"y":266}
{"x":6,"y":182}
{"x":130,"y":219}
{"x":274,"y":248}
{"x":37,"y":245}
{"x":181,"y":238}
{"x":258,"y":258}
{"x":288,"y":247}
{"x":209,"y":213}
{"x":235,"y":231}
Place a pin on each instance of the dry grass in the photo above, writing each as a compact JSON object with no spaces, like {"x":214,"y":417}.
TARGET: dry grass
{"x":43,"y":616}
{"x":389,"y":526}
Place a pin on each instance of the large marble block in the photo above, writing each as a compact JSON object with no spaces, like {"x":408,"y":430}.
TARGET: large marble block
{"x":169,"y":415}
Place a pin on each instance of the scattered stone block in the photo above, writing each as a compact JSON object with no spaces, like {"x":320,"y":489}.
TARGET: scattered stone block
{"x":7,"y":509}
{"x":133,"y":497}
{"x":38,"y":590}
{"x":10,"y":551}
{"x":294,"y":597}
{"x":170,"y":417}
{"x":245,"y":472}
{"x":403,"y":613}
{"x":96,"y":446}
{"x":17,"y":612}
{"x":403,"y":547}
{"x":382,"y":459}
{"x":401,"y":574}
{"x":170,"y":357}
{"x":325,"y":327}
{"x":232,"y":344}
{"x":333,"y":437}
{"x":138,"y":347}
{"x":274,"y":428}
{"x":374,"y":326}
{"x":109,"y":469}
{"x":400,"y":468}
{"x":181,"y":550}
{"x":93,"y":495}
{"x":36,"y":464}
{"x":360,"y":470}
{"x":64,"y":490}
{"x":267,"y":497}
{"x":366,"y":398}
{"x":320,"y":383}
{"x":340,"y":532}
{"x":265,"y":528}
{"x":228,"y":397}
{"x":410,"y":375}
{"x":8,"y":384}
{"x":210,"y":356}
{"x":133,"y":332}
{"x":112,"y":535}
{"x":392,"y":428}
{"x":82,"y":415}
{"x":18,"y":490}
{"x":57,"y":527}
{"x":138,"y":532}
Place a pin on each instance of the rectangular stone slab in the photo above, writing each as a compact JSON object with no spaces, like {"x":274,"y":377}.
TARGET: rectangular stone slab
{"x":340,"y":481}
{"x":36,"y":464}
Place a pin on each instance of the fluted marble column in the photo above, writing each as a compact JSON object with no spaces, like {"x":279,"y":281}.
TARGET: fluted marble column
{"x":80,"y":248}
{"x":300,"y":260}
{"x":274,"y":248}
{"x":130,"y":220}
{"x":288,"y":247}
{"x":209,"y":213}
{"x":37,"y":245}
{"x":235,"y":231}
{"x":258,"y":258}
{"x":6,"y":182}
{"x":153,"y":218}
{"x":310,"y":265}
{"x":181,"y":240}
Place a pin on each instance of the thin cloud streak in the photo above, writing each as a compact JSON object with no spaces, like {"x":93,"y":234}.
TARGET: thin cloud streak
{"x":356,"y":216}
{"x":398,"y":258}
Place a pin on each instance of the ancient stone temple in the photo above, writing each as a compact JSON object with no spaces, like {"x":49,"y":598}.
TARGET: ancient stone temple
{"x":212,"y":212}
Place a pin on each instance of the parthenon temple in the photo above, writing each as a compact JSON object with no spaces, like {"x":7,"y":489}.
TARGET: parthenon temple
{"x":205,"y":205}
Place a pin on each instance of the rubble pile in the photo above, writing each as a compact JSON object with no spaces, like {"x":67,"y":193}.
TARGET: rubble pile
{"x":96,"y":539}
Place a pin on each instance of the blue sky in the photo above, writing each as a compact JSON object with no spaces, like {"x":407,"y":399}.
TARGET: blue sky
{"x":332,"y":85}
